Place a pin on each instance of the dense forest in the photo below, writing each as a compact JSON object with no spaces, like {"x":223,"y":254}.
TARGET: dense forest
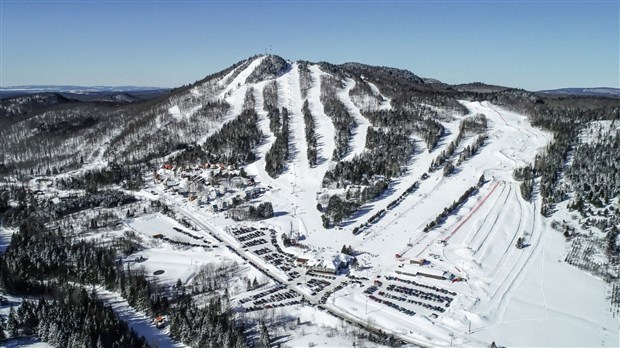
{"x":278,"y":154}
{"x":40,"y":262}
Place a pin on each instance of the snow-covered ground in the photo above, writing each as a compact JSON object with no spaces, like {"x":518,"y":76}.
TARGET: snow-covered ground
{"x":25,"y":342}
{"x":358,"y":143}
{"x":480,"y":246}
{"x":508,"y":295}
{"x":514,"y":296}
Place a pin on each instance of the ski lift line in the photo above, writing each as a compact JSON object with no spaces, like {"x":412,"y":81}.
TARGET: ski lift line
{"x":478,"y":205}
{"x":410,"y":246}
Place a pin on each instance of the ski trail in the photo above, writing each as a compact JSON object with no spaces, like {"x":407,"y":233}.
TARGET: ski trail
{"x":297,"y":127}
{"x":136,"y":320}
{"x":324,"y":127}
{"x":240,"y":79}
{"x":263,"y":125}
{"x":480,"y":203}
{"x":358,"y":143}
{"x":234,"y":94}
{"x":511,"y":244}
{"x":492,"y":229}
{"x":386,"y":103}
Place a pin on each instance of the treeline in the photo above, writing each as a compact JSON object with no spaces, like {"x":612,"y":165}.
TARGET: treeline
{"x":128,"y":176}
{"x":471,"y":150}
{"x":311,"y":138}
{"x":418,"y":121}
{"x":564,"y":117}
{"x":387,"y":151}
{"x":305,"y":78}
{"x":595,"y":171}
{"x":270,"y":96}
{"x":441,"y":218}
{"x":474,"y":124}
{"x":259,"y":212}
{"x":233,"y":144}
{"x":71,"y":317}
{"x":342,"y":120}
{"x":37,"y":260}
{"x":36,"y":255}
{"x":29,"y":206}
{"x":275,"y":124}
{"x":209,"y":326}
{"x":337,"y":210}
{"x":270,"y":68}
{"x":278,"y":154}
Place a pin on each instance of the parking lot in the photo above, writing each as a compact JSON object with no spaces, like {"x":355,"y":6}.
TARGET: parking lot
{"x":254,"y":240}
{"x":278,"y":296}
{"x":410,"y":296}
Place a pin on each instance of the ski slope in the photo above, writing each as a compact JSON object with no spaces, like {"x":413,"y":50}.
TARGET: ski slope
{"x":521,"y":297}
{"x":480,"y":238}
{"x":358,"y":143}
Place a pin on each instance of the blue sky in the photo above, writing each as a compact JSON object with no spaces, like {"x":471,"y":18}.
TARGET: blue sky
{"x":527,"y":44}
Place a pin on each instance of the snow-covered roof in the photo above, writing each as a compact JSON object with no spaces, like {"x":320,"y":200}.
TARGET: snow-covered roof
{"x":326,"y":260}
{"x":414,"y":269}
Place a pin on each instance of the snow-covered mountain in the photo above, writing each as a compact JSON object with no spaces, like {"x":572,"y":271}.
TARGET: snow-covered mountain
{"x":600,"y":91}
{"x":75,"y":89}
{"x":467,"y":206}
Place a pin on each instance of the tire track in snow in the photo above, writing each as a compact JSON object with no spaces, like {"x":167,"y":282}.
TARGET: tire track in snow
{"x":471,"y":212}
{"x":500,"y":211}
{"x":472,"y":235}
{"x":512,"y":240}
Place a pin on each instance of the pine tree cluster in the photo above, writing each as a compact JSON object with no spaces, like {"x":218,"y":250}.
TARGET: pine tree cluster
{"x":278,"y":154}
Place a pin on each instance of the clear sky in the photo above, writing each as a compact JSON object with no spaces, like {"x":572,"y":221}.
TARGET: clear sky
{"x":529,"y":44}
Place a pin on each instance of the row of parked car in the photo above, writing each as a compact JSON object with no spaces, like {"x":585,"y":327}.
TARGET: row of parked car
{"x":416,"y":302}
{"x":318,"y":275}
{"x":326,"y":295}
{"x":317,"y":285}
{"x":392,"y":305}
{"x":429,"y":287}
{"x":254,"y":242}
{"x":276,"y":305}
{"x":276,"y":297}
{"x":429,"y":296}
{"x":263,"y":293}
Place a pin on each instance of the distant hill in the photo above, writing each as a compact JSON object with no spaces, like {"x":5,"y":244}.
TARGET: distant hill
{"x":591,"y":92}
{"x":122,"y":94}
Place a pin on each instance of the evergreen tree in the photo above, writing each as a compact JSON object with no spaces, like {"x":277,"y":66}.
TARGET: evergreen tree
{"x":12,"y":324}
{"x":265,"y":340}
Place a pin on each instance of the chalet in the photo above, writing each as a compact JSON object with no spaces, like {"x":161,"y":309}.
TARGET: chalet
{"x":158,"y":236}
{"x":419,"y":262}
{"x":301,"y":262}
{"x":427,"y":272}
{"x":331,"y":263}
